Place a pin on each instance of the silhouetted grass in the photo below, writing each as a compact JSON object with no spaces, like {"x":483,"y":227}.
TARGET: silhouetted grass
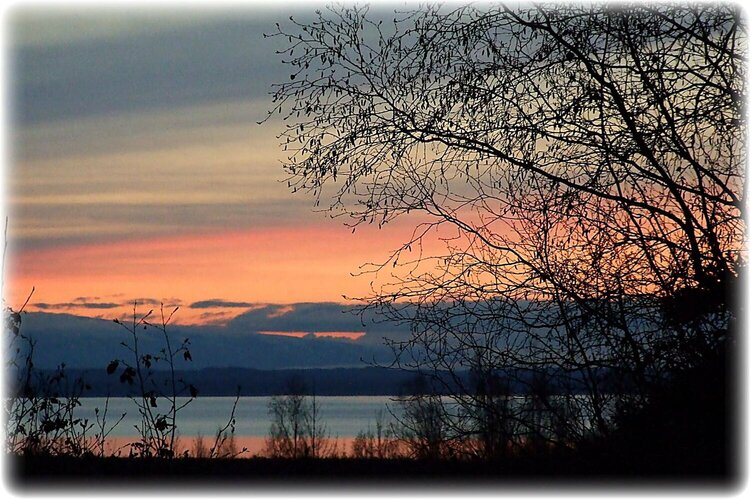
{"x":575,"y":468}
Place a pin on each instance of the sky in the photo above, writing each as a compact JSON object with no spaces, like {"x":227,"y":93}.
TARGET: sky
{"x":135,"y":169}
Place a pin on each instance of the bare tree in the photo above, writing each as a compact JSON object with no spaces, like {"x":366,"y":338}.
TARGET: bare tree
{"x":493,"y":419}
{"x":158,"y":426}
{"x":296,"y":428}
{"x":224,"y":443}
{"x":588,"y":160}
{"x":377,"y":443}
{"x":422,"y":429}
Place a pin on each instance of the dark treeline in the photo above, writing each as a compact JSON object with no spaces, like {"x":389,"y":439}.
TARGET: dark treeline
{"x":374,"y":381}
{"x":255,"y":382}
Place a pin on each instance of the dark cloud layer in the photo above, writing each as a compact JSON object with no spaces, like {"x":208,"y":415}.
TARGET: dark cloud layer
{"x":168,"y":302}
{"x":75,"y":304}
{"x":219,"y":303}
{"x":93,"y":302}
{"x":217,"y":60}
{"x":311,"y":317}
{"x":316,"y":317}
{"x":82,"y":342}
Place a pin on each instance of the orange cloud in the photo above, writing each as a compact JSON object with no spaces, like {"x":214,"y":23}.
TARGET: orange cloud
{"x":349,"y":335}
{"x":291,"y":334}
{"x":280,"y":311}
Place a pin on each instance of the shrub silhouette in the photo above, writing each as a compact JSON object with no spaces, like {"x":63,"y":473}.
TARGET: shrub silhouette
{"x":296,"y":430}
{"x":158,"y":425}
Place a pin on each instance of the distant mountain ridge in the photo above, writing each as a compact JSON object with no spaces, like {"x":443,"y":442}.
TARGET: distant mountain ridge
{"x":357,"y":381}
{"x":90,"y":343}
{"x":225,"y":357}
{"x":221,"y":382}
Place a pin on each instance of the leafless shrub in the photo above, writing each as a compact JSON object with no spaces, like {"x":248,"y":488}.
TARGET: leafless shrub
{"x":157,"y":427}
{"x":296,"y":428}
{"x":377,"y":443}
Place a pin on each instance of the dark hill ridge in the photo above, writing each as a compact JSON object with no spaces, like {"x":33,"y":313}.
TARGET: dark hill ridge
{"x":255,"y":382}
{"x":224,"y":357}
{"x":89,"y":343}
{"x":358,"y":381}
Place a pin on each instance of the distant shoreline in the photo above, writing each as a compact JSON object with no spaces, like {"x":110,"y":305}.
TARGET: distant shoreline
{"x":223,"y":382}
{"x":339,"y":381}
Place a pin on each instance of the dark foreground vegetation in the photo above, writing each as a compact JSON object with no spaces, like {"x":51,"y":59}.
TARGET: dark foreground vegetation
{"x":682,"y":439}
{"x":592,"y":466}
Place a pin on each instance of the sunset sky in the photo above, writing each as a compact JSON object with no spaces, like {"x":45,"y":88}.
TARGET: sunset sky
{"x":136,"y":169}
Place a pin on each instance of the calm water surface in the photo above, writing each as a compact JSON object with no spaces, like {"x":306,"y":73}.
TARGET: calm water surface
{"x":343,"y":416}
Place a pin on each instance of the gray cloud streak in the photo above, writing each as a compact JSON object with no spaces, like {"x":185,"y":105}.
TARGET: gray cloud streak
{"x":74,"y":304}
{"x":219,"y":59}
{"x":218,"y":303}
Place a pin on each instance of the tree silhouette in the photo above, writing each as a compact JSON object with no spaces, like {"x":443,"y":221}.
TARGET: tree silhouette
{"x":588,"y":159}
{"x":296,"y":429}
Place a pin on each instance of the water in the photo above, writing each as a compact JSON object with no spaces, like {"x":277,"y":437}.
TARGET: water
{"x":343,"y":416}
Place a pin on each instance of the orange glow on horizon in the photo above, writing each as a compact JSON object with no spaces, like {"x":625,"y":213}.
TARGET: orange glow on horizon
{"x":291,"y":334}
{"x":272,"y":265}
{"x":349,"y":335}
